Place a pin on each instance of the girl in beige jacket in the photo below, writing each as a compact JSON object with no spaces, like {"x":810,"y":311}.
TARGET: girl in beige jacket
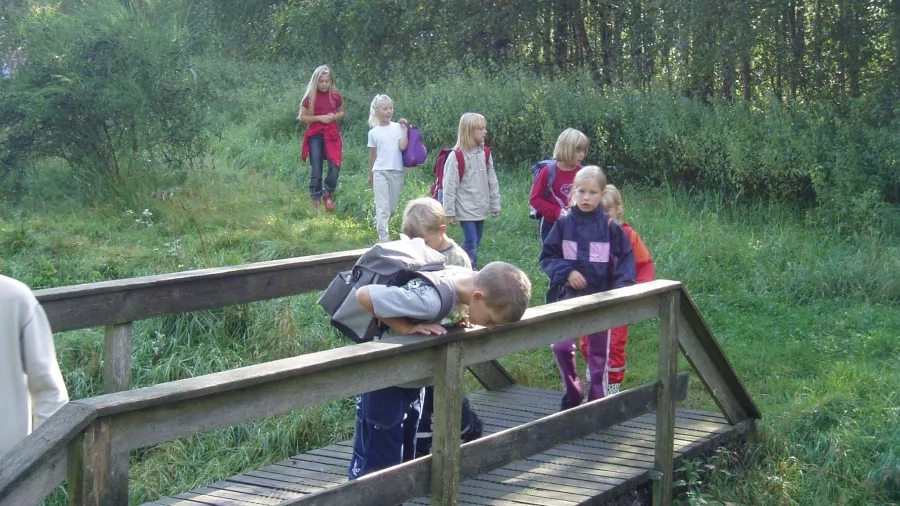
{"x":470,"y":198}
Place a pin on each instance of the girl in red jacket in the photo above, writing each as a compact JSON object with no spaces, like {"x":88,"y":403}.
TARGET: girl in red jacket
{"x":321,"y":108}
{"x":569,"y":152}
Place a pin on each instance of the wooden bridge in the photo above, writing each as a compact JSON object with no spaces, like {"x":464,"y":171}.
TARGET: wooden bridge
{"x":531,"y":454}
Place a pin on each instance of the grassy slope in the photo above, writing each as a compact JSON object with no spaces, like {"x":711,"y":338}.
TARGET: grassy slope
{"x":808,"y":319}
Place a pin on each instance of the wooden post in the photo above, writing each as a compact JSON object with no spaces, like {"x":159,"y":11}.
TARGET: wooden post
{"x":665,"y":404}
{"x":447,"y":421}
{"x":117,"y":378}
{"x":90,"y":468}
{"x":117,"y":358}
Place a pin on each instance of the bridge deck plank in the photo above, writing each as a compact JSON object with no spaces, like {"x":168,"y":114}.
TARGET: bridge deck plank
{"x":609,"y":462}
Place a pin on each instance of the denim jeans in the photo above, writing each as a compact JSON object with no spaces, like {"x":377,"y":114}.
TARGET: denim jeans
{"x":316,"y":159}
{"x":472,"y":232}
{"x":545,"y":226}
{"x":471,"y":427}
{"x":386,"y":425}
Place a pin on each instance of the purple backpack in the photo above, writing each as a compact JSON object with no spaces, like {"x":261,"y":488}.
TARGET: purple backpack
{"x":415,"y":152}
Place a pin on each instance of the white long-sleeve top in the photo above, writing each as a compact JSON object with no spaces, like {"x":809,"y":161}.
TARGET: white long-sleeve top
{"x":31,"y":385}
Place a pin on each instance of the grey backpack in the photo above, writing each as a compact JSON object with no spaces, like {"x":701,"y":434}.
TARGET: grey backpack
{"x":392,"y":263}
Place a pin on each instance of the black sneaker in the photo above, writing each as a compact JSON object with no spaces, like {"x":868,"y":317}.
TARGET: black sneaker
{"x":565,"y":404}
{"x":476,"y":430}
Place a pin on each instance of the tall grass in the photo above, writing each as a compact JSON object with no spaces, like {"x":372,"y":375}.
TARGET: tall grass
{"x":808,"y":317}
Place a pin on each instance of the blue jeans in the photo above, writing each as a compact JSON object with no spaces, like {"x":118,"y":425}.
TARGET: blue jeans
{"x":472,"y":232}
{"x":545,"y":226}
{"x":316,"y":159}
{"x":471,"y":427}
{"x":386,"y":425}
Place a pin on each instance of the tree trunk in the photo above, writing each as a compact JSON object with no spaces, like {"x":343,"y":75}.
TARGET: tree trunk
{"x":797,"y":33}
{"x":747,"y":91}
{"x":561,"y":37}
{"x":728,"y":79}
{"x":605,"y":43}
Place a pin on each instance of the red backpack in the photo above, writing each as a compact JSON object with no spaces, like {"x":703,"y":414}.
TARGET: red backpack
{"x":437,"y":188}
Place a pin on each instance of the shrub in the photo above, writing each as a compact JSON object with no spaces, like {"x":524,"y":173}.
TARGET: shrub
{"x":106,"y":88}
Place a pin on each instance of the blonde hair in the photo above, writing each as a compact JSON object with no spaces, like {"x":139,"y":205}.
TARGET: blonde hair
{"x":468,"y":122}
{"x":589,"y":173}
{"x":506,"y":288}
{"x":373,"y":109}
{"x":422,"y":216}
{"x":312,"y":89}
{"x":612,"y":201}
{"x":568,"y":143}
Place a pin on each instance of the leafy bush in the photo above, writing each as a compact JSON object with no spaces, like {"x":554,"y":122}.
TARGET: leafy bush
{"x":106,"y":88}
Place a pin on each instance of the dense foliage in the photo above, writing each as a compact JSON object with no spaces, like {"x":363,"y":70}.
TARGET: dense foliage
{"x":108,"y":89}
{"x":785,"y":102}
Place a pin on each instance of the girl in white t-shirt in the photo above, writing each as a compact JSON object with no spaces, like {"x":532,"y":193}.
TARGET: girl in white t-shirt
{"x":386,"y":141}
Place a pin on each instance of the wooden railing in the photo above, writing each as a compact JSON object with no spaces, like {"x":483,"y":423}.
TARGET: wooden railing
{"x":85,"y":440}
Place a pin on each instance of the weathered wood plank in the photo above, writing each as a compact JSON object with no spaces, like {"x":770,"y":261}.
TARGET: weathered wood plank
{"x":216,"y":497}
{"x":157,"y":422}
{"x":261,"y":494}
{"x":301,"y":477}
{"x":535,"y":483}
{"x":716,"y":373}
{"x":665,"y":411}
{"x":118,"y":345}
{"x":492,"y":375}
{"x":269,"y":483}
{"x":447,"y":426}
{"x":34,"y":467}
{"x":90,"y":468}
{"x":409,"y":480}
{"x":305,"y":483}
{"x":542,"y":325}
{"x":492,"y":492}
{"x":112,"y":302}
{"x":524,"y":494}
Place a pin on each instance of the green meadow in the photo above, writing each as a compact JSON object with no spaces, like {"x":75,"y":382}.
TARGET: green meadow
{"x":807,"y":313}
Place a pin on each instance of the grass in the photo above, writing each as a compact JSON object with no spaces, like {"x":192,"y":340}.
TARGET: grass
{"x":808,"y":318}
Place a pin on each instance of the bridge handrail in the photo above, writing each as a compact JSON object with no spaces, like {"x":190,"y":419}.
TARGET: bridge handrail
{"x":126,"y":300}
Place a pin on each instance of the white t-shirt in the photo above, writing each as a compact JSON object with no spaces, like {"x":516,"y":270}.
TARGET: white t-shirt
{"x":386,"y":141}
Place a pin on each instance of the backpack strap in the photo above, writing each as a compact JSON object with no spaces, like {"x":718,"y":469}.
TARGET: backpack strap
{"x":551,"y":178}
{"x":551,"y":175}
{"x":460,"y":163}
{"x":445,"y":290}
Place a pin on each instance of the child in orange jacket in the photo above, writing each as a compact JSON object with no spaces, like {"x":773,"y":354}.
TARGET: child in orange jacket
{"x":612,"y":203}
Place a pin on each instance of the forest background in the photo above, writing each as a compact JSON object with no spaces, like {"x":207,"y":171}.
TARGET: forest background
{"x":758,"y":143}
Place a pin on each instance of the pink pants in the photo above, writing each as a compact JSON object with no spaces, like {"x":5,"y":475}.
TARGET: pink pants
{"x":598,"y":366}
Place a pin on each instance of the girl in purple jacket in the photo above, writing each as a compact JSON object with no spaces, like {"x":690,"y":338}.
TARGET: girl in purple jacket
{"x":586,"y":252}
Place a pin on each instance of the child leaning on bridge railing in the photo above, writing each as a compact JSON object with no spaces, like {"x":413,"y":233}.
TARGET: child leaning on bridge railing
{"x":497,"y":294}
{"x":424,"y":218}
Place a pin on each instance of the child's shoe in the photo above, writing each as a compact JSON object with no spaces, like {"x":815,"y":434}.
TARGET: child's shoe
{"x":329,"y":202}
{"x":476,"y":430}
{"x":567,"y":404}
{"x":316,"y":203}
{"x":614,"y":388}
